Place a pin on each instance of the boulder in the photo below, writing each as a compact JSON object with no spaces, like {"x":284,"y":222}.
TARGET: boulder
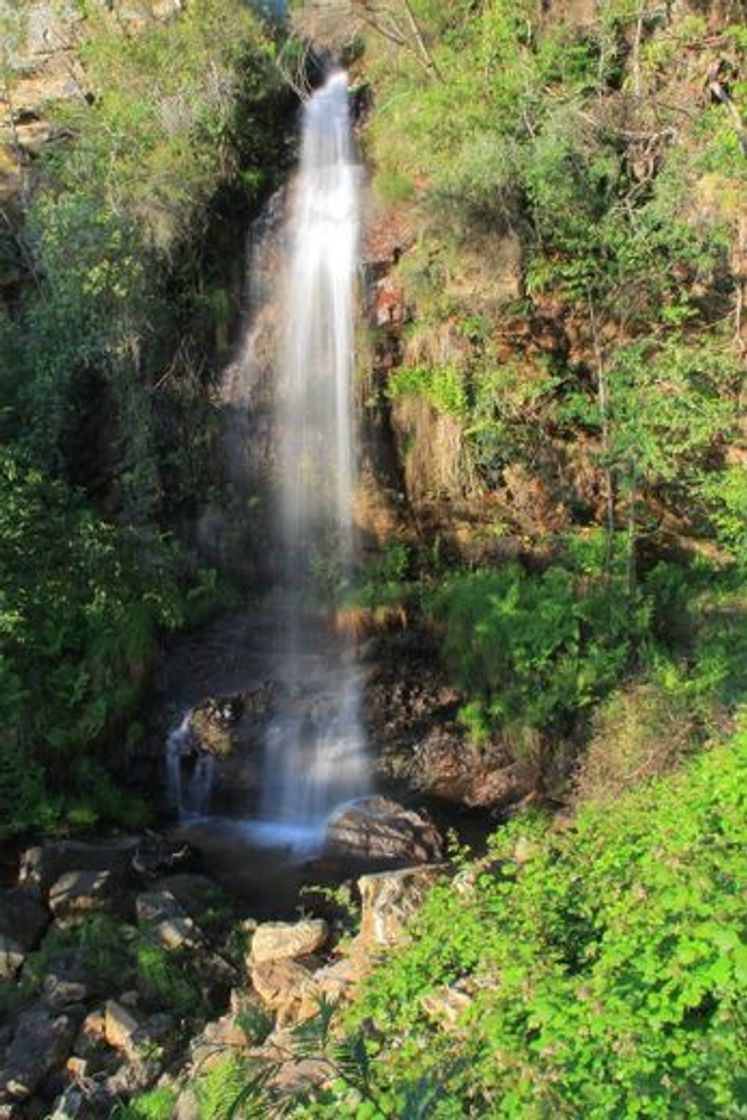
{"x":156,"y":856}
{"x":339,"y":980}
{"x":444,"y":765}
{"x":23,"y":920}
{"x":41,"y":1042}
{"x":275,"y":941}
{"x":286,"y":987}
{"x":220,"y":1038}
{"x":92,"y":1034}
{"x":76,"y":894}
{"x":168,"y":922}
{"x":69,"y":980}
{"x":389,"y":901}
{"x":376,"y":828}
{"x":187,"y":1106}
{"x":120,"y":1027}
{"x":40,"y":867}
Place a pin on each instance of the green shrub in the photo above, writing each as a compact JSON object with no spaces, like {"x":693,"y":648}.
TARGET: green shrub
{"x":166,"y":978}
{"x":644,"y":730}
{"x":219,"y":1089}
{"x":532,"y":651}
{"x":158,"y":1104}
{"x":79,"y":613}
{"x":606,"y":962}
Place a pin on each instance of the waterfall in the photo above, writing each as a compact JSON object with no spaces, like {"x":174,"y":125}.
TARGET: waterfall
{"x":191,"y":798}
{"x":315,"y":751}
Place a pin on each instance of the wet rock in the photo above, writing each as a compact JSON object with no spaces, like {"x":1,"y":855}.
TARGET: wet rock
{"x":211,"y":721}
{"x":76,"y":894}
{"x":377,"y":828}
{"x":274,"y":941}
{"x":389,"y":901}
{"x":41,"y":1042}
{"x":41,"y":866}
{"x":23,"y":920}
{"x":156,"y":856}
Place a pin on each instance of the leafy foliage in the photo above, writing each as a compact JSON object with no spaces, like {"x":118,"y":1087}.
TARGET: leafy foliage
{"x":605,"y":961}
{"x":535,"y":650}
{"x":105,"y":418}
{"x":80,"y":611}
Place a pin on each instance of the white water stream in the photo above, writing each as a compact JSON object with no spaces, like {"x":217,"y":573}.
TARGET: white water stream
{"x":316,"y":756}
{"x":315,"y":753}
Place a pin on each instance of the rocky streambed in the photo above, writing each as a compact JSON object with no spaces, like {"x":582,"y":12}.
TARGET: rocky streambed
{"x":125,"y":966}
{"x":136,"y":962}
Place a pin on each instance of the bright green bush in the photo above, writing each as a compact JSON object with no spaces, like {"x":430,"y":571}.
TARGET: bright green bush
{"x":158,"y":1104}
{"x":606,"y":960}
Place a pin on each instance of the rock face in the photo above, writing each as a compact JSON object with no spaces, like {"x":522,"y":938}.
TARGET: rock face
{"x":390,"y":899}
{"x":376,"y":828}
{"x":450,"y":768}
{"x":416,"y":736}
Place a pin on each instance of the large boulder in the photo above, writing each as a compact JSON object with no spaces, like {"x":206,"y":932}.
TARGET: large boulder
{"x":287,"y":988}
{"x":275,"y":941}
{"x":378,"y":829}
{"x":41,"y":866}
{"x":23,"y":920}
{"x":76,"y":894}
{"x":390,"y":900}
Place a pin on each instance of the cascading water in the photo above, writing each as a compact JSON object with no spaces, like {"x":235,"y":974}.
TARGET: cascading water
{"x":189,"y":795}
{"x":315,"y":755}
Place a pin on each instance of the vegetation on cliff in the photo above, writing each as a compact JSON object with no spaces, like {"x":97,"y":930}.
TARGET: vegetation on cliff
{"x":117,"y":313}
{"x":568,"y":361}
